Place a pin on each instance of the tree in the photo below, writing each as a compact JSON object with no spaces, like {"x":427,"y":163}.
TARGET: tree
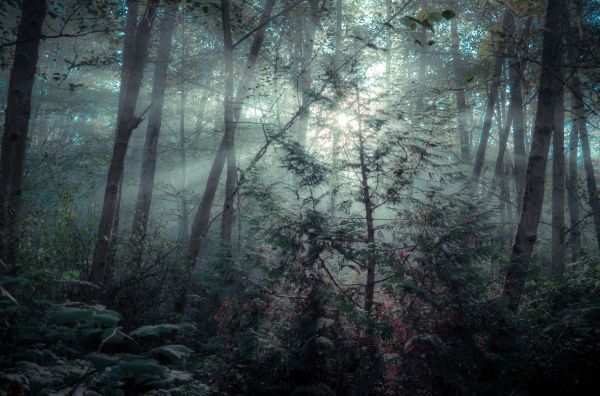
{"x":202,"y":217}
{"x":16,"y":124}
{"x":127,"y":121}
{"x":492,"y":97}
{"x":144,"y":197}
{"x":549,"y":87}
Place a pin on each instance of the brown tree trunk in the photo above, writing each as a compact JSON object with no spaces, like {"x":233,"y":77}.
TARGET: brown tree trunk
{"x":16,"y":124}
{"x":126,"y":123}
{"x":558,"y":189}
{"x":144,"y":196}
{"x":202,"y":217}
{"x":491,"y":100}
{"x":549,"y":88}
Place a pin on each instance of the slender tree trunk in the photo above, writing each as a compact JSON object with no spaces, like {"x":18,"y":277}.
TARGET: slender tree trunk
{"x":368,"y":204}
{"x":558,"y":189}
{"x":549,"y":88}
{"x":491,"y":100}
{"x":128,"y":53}
{"x":336,"y":66}
{"x":516,"y":70}
{"x":461,"y":98}
{"x":580,"y":116}
{"x":572,"y":186}
{"x":126,"y":123}
{"x":590,"y":178}
{"x":184,"y":219}
{"x":148,"y":170}
{"x":229,"y":122}
{"x":16,"y":124}
{"x":202,"y":217}
{"x":305,"y":78}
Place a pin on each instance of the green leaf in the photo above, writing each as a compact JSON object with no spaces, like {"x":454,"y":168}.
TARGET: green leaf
{"x":172,"y":353}
{"x":139,"y":368}
{"x":70,"y":275}
{"x":323,"y":323}
{"x":409,"y":22}
{"x":6,"y":294}
{"x":107,"y":317}
{"x":324,"y":342}
{"x":147,"y":331}
{"x":100,"y":361}
{"x":448,"y":14}
{"x":434,"y":17}
{"x":66,"y":315}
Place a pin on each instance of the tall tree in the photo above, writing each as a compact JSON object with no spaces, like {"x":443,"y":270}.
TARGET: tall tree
{"x":16,"y":124}
{"x":492,"y":97}
{"x":516,"y":71}
{"x":202,"y":217}
{"x":461,"y":97}
{"x":558,"y":188}
{"x":581,"y":125}
{"x":148,"y":170}
{"x":305,"y":78}
{"x":549,"y":88}
{"x":127,"y":122}
{"x":229,"y":126}
{"x":572,"y":186}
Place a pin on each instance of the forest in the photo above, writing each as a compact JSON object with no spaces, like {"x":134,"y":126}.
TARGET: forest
{"x":299,"y":197}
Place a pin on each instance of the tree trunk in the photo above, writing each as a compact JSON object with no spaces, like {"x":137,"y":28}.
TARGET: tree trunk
{"x":305,"y":78}
{"x":126,"y":123}
{"x":229,"y":123}
{"x":461,"y":99}
{"x":549,"y":88}
{"x":572,"y":186}
{"x":144,"y":196}
{"x":202,"y":217}
{"x":16,"y":124}
{"x":516,"y":70}
{"x":491,"y":100}
{"x":336,"y":66}
{"x":580,"y":117}
{"x":368,"y":204}
{"x":184,"y":217}
{"x":558,"y":188}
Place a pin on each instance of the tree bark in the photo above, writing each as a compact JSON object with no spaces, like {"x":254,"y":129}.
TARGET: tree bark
{"x":184,"y":217}
{"x":148,"y":170}
{"x":16,"y":124}
{"x":516,"y":70}
{"x":229,"y":125}
{"x":549,"y":88}
{"x":369,"y":208}
{"x":558,"y":188}
{"x":580,"y":117}
{"x":491,"y":100}
{"x":572,"y":186}
{"x":126,"y":123}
